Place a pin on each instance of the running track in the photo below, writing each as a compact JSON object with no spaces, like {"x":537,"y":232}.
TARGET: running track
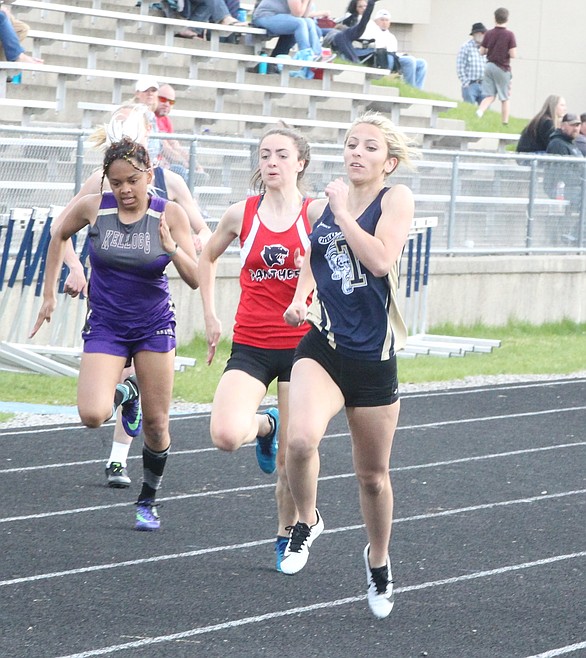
{"x":488,"y":550}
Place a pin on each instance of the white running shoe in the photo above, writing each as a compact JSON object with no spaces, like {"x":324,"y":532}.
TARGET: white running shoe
{"x":381,"y":598}
{"x":297,"y":551}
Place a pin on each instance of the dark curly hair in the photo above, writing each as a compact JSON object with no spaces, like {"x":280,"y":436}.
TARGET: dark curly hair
{"x":133,"y":152}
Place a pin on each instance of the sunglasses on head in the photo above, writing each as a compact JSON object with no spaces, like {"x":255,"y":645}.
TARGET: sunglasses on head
{"x":166,"y":100}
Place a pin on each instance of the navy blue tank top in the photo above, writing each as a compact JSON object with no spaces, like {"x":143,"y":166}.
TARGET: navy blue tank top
{"x":354,"y":309}
{"x":159,"y":185}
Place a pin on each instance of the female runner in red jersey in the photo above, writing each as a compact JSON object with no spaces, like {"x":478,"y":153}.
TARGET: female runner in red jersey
{"x":272,"y":228}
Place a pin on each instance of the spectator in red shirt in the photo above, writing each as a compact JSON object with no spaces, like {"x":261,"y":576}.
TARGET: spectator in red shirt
{"x":499,"y":46}
{"x":173,"y":156}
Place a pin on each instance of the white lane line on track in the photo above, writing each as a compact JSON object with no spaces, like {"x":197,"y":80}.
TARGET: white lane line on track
{"x":216,"y":549}
{"x":560,"y":651}
{"x":340,"y":476}
{"x":325,"y":478}
{"x":449,"y":392}
{"x":327,"y":436}
{"x":88,"y":462}
{"x":482,"y":389}
{"x":317,"y":606}
{"x":481,"y":419}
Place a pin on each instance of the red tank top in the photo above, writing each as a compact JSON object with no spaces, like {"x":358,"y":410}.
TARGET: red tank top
{"x":268,"y":278}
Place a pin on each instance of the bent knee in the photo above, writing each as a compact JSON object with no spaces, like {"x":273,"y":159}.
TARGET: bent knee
{"x":225,"y":442}
{"x":156,"y":428}
{"x":226,"y":438}
{"x":92,"y":420}
{"x":301,"y":446}
{"x":374,"y":483}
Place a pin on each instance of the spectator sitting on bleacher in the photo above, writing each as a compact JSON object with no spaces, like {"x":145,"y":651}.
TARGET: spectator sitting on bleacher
{"x":202,"y":11}
{"x":146,"y":92}
{"x":280,"y":17}
{"x":580,"y":141}
{"x":354,"y":13}
{"x":12,"y":33}
{"x":537,"y":133}
{"x":413,"y":69}
{"x":564,"y":175}
{"x":173,"y":156}
{"x":344,"y":41}
{"x":323,"y":21}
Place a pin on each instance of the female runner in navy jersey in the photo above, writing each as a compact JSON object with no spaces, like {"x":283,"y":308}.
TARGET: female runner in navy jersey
{"x":272,"y":229}
{"x":347,"y":359}
{"x":133,"y":237}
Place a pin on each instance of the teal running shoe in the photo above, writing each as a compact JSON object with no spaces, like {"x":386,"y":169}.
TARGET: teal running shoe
{"x":280,"y":546}
{"x":267,"y":446}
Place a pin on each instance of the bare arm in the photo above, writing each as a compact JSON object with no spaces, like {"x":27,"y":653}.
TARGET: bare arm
{"x":512,"y":53}
{"x":315,"y":210}
{"x":82,"y":213}
{"x":380,"y":251}
{"x":227,"y":230}
{"x":297,"y":311}
{"x":175,"y":234}
{"x":324,"y":13}
{"x":172,"y":150}
{"x":76,"y":282}
{"x":179,"y":192}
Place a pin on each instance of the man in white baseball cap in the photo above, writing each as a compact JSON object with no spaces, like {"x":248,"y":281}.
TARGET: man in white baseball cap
{"x":413,"y":69}
{"x":146,"y":91}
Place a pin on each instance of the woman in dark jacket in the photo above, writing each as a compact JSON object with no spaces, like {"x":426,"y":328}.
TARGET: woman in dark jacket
{"x":536,"y":134}
{"x":354,"y":12}
{"x":357,"y":17}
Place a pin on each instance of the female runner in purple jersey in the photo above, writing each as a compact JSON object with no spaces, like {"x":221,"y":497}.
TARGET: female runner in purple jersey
{"x":129,"y":120}
{"x":133,"y":237}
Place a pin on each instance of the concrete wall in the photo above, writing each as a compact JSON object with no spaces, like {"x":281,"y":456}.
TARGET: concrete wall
{"x":464,"y":290}
{"x":495,"y":289}
{"x":550,"y":37}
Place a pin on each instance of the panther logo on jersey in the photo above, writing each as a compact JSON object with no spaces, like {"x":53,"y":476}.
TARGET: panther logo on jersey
{"x":274,"y":254}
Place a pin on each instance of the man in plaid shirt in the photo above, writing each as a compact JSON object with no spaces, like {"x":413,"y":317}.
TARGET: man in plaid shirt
{"x":470,"y":66}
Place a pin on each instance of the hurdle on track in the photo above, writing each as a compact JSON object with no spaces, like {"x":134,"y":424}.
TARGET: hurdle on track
{"x":414,"y":276}
{"x":25,"y":236}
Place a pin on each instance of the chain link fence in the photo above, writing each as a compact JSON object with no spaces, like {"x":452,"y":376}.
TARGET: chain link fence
{"x":485,"y":202}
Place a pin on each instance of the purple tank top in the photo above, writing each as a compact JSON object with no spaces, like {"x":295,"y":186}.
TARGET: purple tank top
{"x":129,"y":291}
